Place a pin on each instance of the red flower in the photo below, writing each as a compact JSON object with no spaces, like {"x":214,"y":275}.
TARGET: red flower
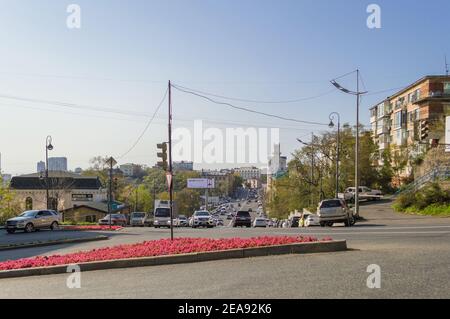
{"x":153,"y":248}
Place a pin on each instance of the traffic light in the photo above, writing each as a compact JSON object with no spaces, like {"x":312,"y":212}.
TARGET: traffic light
{"x":163,"y":156}
{"x":115,"y":184}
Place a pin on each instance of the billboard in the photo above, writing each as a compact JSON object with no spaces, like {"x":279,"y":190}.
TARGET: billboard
{"x":200,"y":183}
{"x":447,"y":134}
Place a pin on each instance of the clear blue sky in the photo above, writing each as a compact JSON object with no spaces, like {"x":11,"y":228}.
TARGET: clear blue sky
{"x":126,"y":51}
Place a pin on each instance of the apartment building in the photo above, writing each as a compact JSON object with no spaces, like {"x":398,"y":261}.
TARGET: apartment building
{"x":413,"y":117}
{"x":248,"y":173}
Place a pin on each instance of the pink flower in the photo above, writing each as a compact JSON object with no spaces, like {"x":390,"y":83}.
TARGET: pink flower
{"x":159,"y":247}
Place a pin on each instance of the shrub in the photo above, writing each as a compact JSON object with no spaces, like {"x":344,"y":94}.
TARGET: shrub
{"x":430,"y":198}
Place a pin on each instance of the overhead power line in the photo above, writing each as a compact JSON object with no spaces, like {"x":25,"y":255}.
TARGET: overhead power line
{"x":245,"y":109}
{"x":73,"y":105}
{"x":146,"y":127}
{"x":260,"y":101}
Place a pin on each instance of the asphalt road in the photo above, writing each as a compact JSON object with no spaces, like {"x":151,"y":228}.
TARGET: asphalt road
{"x":413,"y":254}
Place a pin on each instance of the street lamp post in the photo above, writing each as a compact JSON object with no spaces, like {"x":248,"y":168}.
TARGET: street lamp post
{"x":358,"y":94}
{"x":48,"y":147}
{"x":332,"y":117}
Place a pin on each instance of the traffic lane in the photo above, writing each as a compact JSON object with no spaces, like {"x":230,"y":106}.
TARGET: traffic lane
{"x":356,"y":238}
{"x":404,"y":274}
{"x":21,"y":237}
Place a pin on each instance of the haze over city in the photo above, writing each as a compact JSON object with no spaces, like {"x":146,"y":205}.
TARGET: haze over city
{"x":123,"y":56}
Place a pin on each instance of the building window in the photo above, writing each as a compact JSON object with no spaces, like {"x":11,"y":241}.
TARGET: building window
{"x":28,"y":203}
{"x":397,"y":120}
{"x":446,"y":87}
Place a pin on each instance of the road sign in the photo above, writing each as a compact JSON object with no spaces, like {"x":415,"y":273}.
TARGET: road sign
{"x":112,"y":162}
{"x":202,"y":183}
{"x":169,"y":178}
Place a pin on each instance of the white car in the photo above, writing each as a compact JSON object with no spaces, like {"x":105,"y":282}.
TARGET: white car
{"x":202,"y":218}
{"x":312,"y":220}
{"x":260,"y":222}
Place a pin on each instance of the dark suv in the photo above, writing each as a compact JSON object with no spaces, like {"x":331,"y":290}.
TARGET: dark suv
{"x":242,"y":219}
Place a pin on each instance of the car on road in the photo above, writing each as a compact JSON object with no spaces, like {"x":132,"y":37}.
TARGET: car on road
{"x":312,"y":220}
{"x":332,"y":211}
{"x":294,"y":222}
{"x":242,"y":218}
{"x":116,"y":220}
{"x":260,"y":222}
{"x":32,"y":220}
{"x":202,"y":218}
{"x":181,"y":221}
{"x":140,"y":219}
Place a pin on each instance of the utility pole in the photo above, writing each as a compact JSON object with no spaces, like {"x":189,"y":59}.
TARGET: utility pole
{"x":312,"y":169}
{"x":136,"y":199}
{"x":170,"y":161}
{"x":357,"y":147}
{"x":358,"y":95}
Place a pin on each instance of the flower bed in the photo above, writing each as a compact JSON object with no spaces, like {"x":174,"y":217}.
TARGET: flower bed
{"x":93,"y":227}
{"x":159,"y":247}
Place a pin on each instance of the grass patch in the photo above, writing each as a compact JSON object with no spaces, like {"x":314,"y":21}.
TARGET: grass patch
{"x":432,"y":210}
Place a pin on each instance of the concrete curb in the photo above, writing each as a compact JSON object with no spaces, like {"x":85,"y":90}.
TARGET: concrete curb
{"x":298,"y":248}
{"x":53,"y":242}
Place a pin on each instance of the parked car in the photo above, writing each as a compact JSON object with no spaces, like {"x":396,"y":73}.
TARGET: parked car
{"x":201,"y":218}
{"x":32,"y":220}
{"x":364,"y":193}
{"x":260,"y":222}
{"x":242,"y":218}
{"x":312,"y":220}
{"x":139,"y":219}
{"x":116,"y":220}
{"x":332,"y":211}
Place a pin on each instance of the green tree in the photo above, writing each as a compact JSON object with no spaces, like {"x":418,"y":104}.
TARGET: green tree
{"x":8,"y":205}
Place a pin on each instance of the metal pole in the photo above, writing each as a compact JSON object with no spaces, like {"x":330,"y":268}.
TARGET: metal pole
{"x":46,"y":175}
{"x":337,"y":156}
{"x":110,"y":192}
{"x":136,"y":200}
{"x":312,"y":169}
{"x":170,"y":160}
{"x":357,"y":147}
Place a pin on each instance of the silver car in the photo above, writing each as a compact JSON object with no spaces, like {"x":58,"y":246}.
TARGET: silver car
{"x":332,"y":211}
{"x":32,"y":220}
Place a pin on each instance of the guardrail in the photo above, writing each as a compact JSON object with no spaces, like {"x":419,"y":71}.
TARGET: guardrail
{"x":437,"y":174}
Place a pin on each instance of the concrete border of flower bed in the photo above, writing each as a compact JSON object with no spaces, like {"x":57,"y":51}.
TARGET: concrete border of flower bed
{"x":296,"y":248}
{"x":52,"y":242}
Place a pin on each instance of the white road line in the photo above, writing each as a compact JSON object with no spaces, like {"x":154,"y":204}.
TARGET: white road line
{"x":370,"y":233}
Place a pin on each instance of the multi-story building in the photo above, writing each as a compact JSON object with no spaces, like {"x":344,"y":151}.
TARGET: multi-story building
{"x":248,"y":173}
{"x":127,"y":169}
{"x":277,"y":166}
{"x":412,"y":117}
{"x":183,"y":166}
{"x":54,"y":164}
{"x":40,"y":167}
{"x":58,"y":164}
